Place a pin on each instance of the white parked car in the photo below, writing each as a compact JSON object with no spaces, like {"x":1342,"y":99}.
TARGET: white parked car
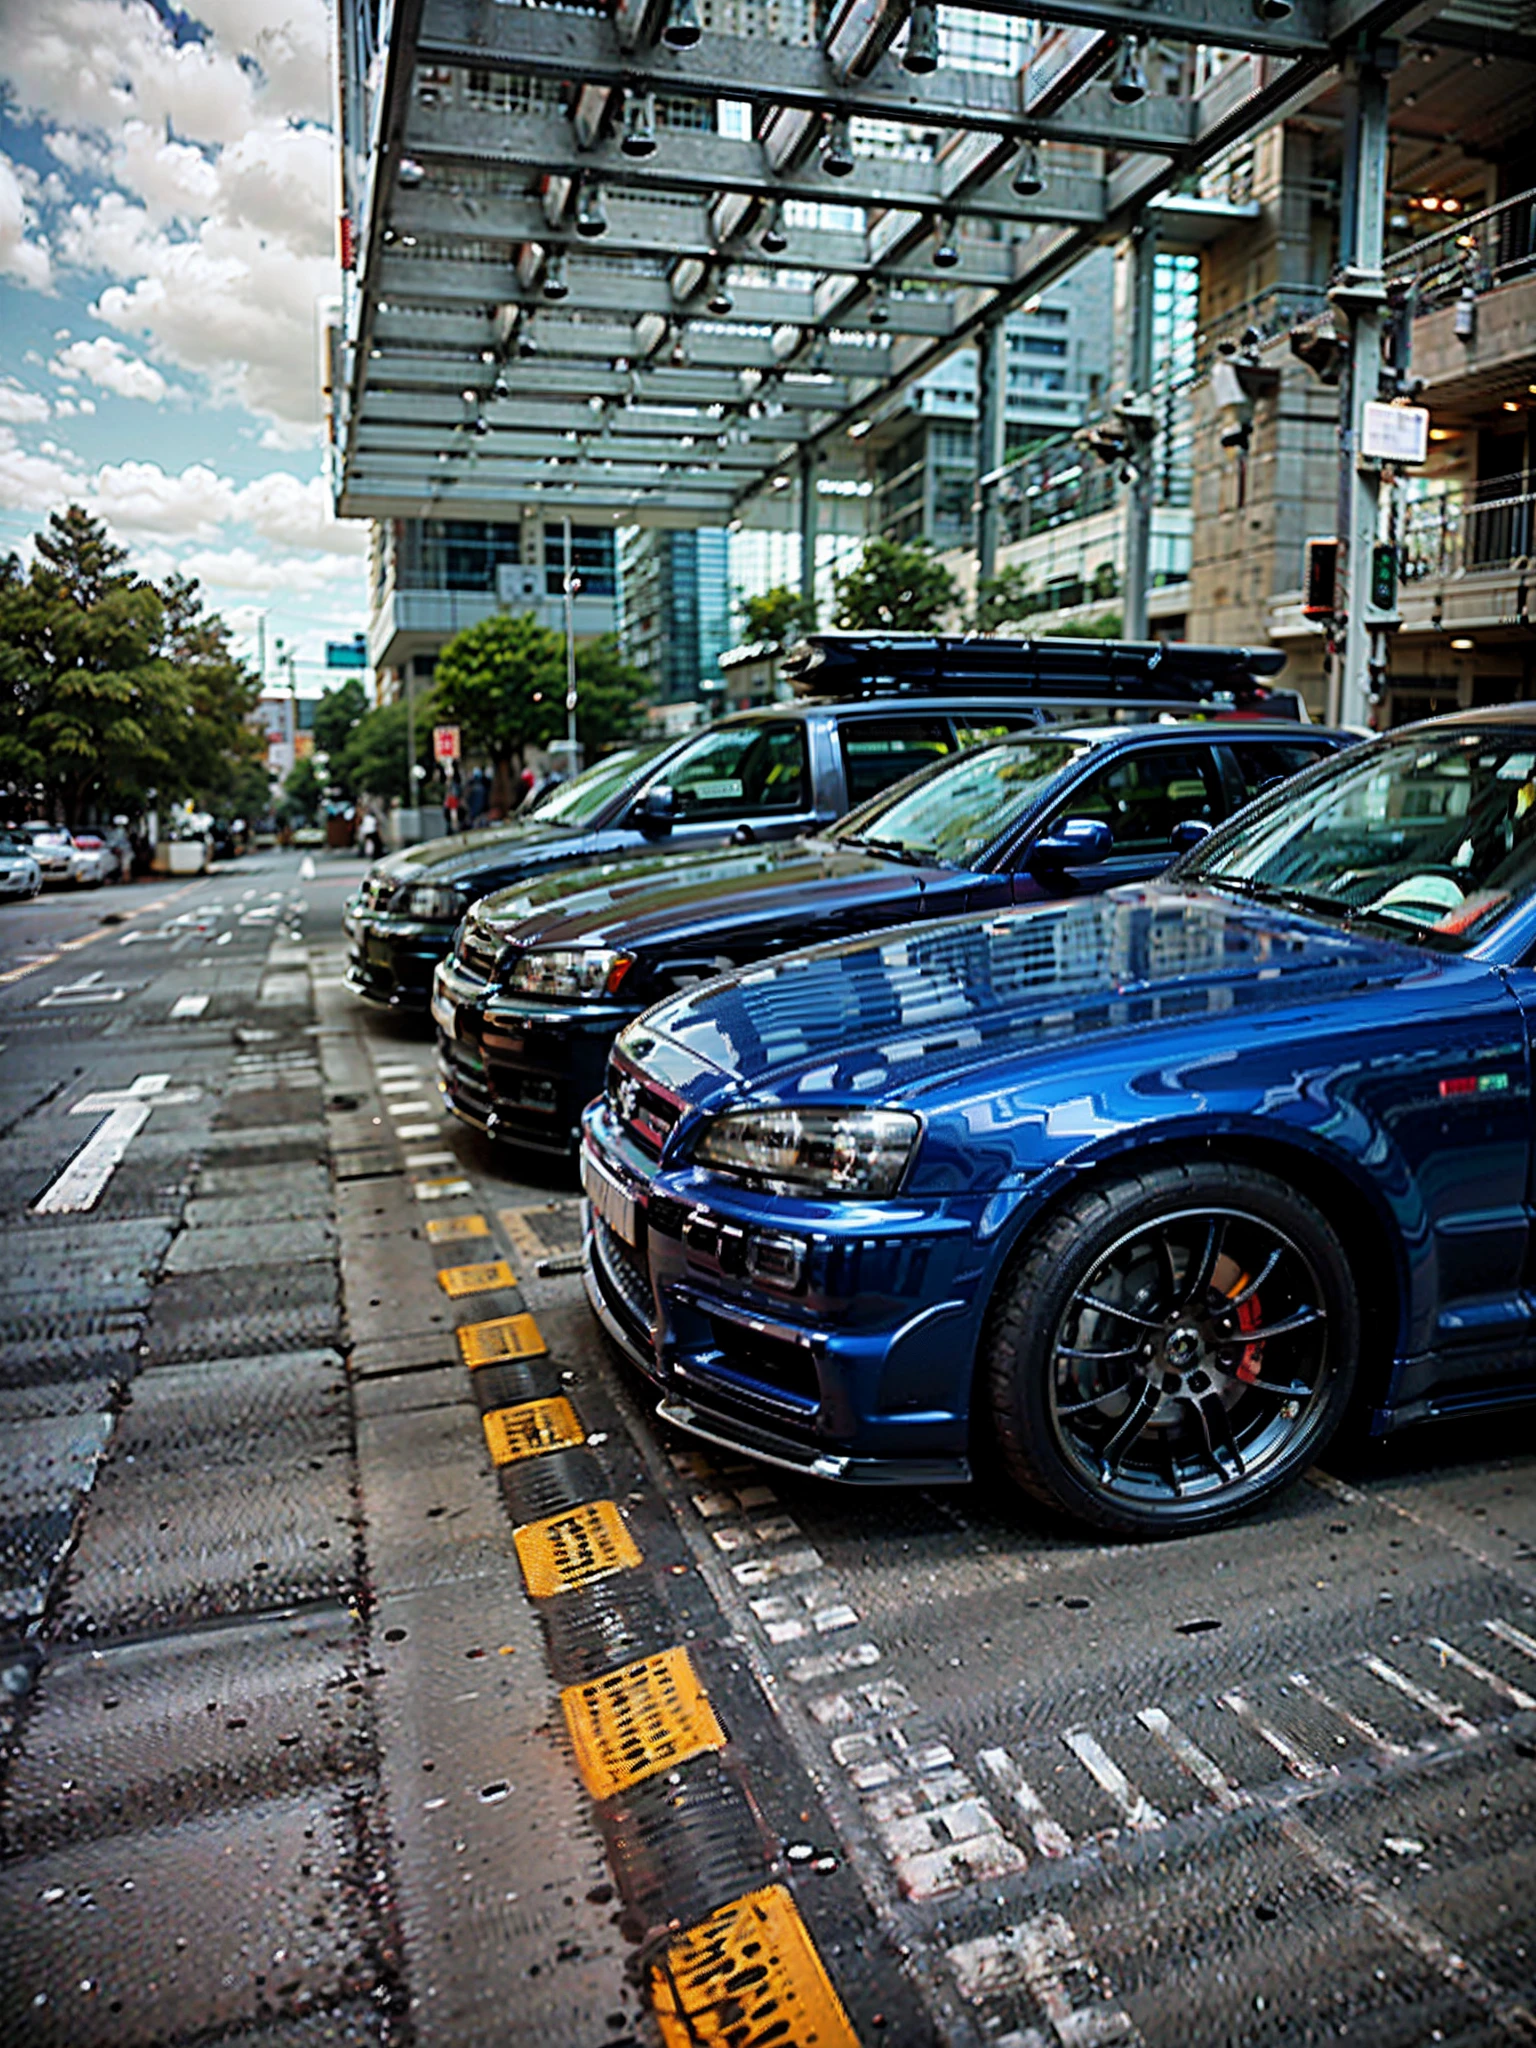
{"x":20,"y":874}
{"x":52,"y":849}
{"x":95,"y":861}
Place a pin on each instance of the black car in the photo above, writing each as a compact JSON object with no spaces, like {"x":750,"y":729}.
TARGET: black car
{"x":884,"y":706}
{"x":544,"y":976}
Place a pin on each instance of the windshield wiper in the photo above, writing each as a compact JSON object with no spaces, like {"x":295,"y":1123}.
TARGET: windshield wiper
{"x":1272,"y":892}
{"x":912,"y":856}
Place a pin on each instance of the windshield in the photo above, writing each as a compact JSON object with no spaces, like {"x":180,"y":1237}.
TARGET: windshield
{"x":1430,"y":837}
{"x":957,"y":810}
{"x":574,"y":802}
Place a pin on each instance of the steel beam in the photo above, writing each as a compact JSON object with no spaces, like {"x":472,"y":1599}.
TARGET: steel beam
{"x":1138,"y":504}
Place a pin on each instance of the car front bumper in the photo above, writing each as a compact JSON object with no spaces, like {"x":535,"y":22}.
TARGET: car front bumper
{"x":392,"y":961}
{"x":859,"y":1370}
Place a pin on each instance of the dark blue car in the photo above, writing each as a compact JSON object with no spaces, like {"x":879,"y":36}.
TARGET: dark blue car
{"x":1144,"y":1190}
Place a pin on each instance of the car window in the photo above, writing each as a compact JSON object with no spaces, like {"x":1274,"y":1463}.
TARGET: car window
{"x":1142,"y":796}
{"x":1261,"y":763}
{"x":574,"y":802}
{"x":959,"y":808}
{"x":880,"y":751}
{"x":977,"y":732}
{"x":742,"y":770}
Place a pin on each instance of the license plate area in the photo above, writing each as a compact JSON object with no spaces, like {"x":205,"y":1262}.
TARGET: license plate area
{"x":611,"y":1201}
{"x":377,"y":952}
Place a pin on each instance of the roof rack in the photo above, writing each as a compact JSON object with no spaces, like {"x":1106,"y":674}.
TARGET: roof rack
{"x":848,"y":664}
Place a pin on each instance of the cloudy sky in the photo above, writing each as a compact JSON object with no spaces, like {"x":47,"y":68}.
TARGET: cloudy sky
{"x":167,"y":236}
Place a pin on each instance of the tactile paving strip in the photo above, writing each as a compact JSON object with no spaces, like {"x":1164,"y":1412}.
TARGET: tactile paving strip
{"x":501,"y":1338}
{"x":570,"y":1550}
{"x":457,"y":1281}
{"x":638,"y":1720}
{"x":450,"y":1229}
{"x":748,"y":1976}
{"x":536,"y":1488}
{"x":682,"y":1844}
{"x":616,"y":1621}
{"x":535,"y":1426}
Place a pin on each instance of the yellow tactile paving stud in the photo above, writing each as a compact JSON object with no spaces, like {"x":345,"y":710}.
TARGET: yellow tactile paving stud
{"x":457,"y":1281}
{"x":503,"y":1337}
{"x":748,"y":1976}
{"x":643,"y":1718}
{"x":449,"y":1229}
{"x":569,"y":1550}
{"x":531,"y":1427}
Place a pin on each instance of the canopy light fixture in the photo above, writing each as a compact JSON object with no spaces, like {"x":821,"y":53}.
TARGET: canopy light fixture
{"x":922,"y":52}
{"x":1129,"y":83}
{"x":410,"y":172}
{"x":1028,"y":178}
{"x":1272,"y":10}
{"x":639,"y":137}
{"x":683,"y":27}
{"x":556,"y":285}
{"x":720,"y":301}
{"x":879,"y":314}
{"x":837,"y":158}
{"x":773,"y":241}
{"x":591,"y":213}
{"x":946,"y":253}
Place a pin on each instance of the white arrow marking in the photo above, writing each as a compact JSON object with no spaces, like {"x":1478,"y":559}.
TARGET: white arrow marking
{"x":307,"y":868}
{"x":81,"y":1183}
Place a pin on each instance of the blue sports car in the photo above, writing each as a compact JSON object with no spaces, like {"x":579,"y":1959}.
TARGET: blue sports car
{"x":1141,"y":1191}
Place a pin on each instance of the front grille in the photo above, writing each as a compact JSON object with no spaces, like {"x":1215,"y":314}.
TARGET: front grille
{"x":467,"y":1086}
{"x":477,"y":951}
{"x":624,"y":1280}
{"x":378,"y":893}
{"x":647,"y":1112}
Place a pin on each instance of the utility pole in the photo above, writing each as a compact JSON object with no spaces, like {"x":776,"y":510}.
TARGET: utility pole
{"x":1138,"y":508}
{"x":991,"y":439}
{"x":808,"y":523}
{"x":569,"y":587}
{"x":1360,"y":294}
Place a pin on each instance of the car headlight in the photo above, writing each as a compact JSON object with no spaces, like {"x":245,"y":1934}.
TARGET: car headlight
{"x":583,"y":974}
{"x":822,"y":1151}
{"x":433,"y":905}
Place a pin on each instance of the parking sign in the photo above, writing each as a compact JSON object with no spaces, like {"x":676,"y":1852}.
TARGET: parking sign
{"x":445,"y":742}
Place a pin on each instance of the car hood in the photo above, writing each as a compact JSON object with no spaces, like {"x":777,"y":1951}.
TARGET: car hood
{"x":465,"y":854}
{"x":905,"y":1015}
{"x":656,"y":896}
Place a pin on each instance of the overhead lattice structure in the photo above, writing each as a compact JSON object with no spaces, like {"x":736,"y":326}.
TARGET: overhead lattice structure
{"x":638,"y":262}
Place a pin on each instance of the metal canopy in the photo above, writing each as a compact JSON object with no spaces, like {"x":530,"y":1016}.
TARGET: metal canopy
{"x":595,"y":271}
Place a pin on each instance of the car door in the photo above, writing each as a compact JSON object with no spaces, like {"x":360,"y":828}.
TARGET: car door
{"x":1139,"y":796}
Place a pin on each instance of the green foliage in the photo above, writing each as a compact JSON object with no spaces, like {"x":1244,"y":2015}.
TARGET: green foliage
{"x":111,"y":690}
{"x":1102,"y":626}
{"x":303,"y":792}
{"x":337,"y":713}
{"x":895,"y":588}
{"x":372,"y":761}
{"x":503,"y":682}
{"x":777,"y":615}
{"x":1005,"y":599}
{"x":611,"y":695}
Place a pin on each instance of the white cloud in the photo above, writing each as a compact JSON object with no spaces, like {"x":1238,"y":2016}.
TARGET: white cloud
{"x":291,"y":513}
{"x":256,"y":575}
{"x":108,"y":364}
{"x":141,"y":497}
{"x":20,"y":407}
{"x":91,"y":63}
{"x":35,"y":483}
{"x":21,"y":254}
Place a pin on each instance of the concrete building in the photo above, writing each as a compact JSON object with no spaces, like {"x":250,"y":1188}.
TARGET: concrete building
{"x":676,"y":614}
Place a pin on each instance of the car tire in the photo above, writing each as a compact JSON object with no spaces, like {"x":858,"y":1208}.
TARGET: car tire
{"x":1172,"y":1348}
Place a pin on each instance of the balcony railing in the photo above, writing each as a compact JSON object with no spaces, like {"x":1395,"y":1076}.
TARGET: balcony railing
{"x":1480,"y":251}
{"x":1488,"y":525}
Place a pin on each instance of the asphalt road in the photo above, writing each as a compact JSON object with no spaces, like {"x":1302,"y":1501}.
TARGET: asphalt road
{"x":350,"y":1694}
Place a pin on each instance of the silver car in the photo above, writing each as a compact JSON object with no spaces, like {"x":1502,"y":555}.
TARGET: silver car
{"x":52,"y":848}
{"x":20,"y":874}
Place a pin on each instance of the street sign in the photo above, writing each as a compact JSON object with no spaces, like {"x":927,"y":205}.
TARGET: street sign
{"x":1395,"y":433}
{"x":445,"y":743}
{"x":346,"y":653}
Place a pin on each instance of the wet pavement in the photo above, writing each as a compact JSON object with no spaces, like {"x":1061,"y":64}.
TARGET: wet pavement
{"x":374,"y":1668}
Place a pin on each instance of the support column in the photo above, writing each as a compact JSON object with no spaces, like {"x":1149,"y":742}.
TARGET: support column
{"x":1138,"y":507}
{"x":1360,"y":657}
{"x":808,"y":525}
{"x":991,"y":439}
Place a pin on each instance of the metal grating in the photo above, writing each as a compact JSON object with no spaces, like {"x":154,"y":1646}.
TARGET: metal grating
{"x":457,"y":1281}
{"x":450,"y":1229}
{"x":536,"y":1488}
{"x":683,"y":1844}
{"x":501,"y":1338}
{"x":749,"y":1976}
{"x":570,"y":1550}
{"x":535,"y":1426}
{"x":638,"y":1720}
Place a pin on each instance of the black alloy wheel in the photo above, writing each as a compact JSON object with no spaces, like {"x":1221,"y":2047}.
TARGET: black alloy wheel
{"x":1173,"y":1348}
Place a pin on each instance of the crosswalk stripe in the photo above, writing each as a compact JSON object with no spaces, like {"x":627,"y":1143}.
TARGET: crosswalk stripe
{"x":1203,"y":1769}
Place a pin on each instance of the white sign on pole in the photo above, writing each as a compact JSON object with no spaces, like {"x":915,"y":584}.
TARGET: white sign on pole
{"x":445,"y":742}
{"x":1395,"y":433}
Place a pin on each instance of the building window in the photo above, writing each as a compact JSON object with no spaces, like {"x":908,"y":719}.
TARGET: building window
{"x":594,"y":560}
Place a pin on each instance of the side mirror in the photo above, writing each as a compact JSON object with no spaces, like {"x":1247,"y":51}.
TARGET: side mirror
{"x":1071,"y":843}
{"x":1187,"y":833}
{"x":656,"y":809}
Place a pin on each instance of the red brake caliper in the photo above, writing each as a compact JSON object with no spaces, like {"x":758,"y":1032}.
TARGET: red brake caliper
{"x":1248,"y":1318}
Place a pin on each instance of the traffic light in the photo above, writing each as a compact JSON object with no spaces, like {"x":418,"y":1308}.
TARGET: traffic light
{"x":1384,"y":577}
{"x":1320,"y":579}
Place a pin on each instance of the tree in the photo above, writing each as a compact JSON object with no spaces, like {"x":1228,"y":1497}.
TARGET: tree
{"x":611,"y":694}
{"x":303,"y":791}
{"x":372,"y":760}
{"x":337,"y":713}
{"x":220,"y":747}
{"x":1005,"y":599}
{"x":895,"y":588}
{"x":776,"y":615}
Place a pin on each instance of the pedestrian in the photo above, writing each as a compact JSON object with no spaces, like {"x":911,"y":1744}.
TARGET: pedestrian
{"x":370,"y":837}
{"x":477,"y":797}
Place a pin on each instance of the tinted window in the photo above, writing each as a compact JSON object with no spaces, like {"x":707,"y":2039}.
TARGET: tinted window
{"x":1142,"y":796}
{"x":1260,"y":764}
{"x":574,"y":802}
{"x":958,"y":810}
{"x":744,"y":769}
{"x":880,"y":751}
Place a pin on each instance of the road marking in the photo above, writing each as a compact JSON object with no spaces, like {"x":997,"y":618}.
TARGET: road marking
{"x":1203,"y":1769}
{"x":417,"y":1131}
{"x":419,"y":1107}
{"x":307,"y":868}
{"x":643,"y":1718}
{"x":81,"y":1183}
{"x":1141,"y":1816}
{"x":1447,"y":1715}
{"x":1296,"y":1761}
{"x":415,"y":1159}
{"x":88,"y":989}
{"x":1363,"y":1728}
{"x":30,"y":967}
{"x":1515,"y":1637}
{"x":1050,"y":1837}
{"x":1449,"y":1654}
{"x":1042,"y":1957}
{"x":190,"y":1005}
{"x":398,"y":1084}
